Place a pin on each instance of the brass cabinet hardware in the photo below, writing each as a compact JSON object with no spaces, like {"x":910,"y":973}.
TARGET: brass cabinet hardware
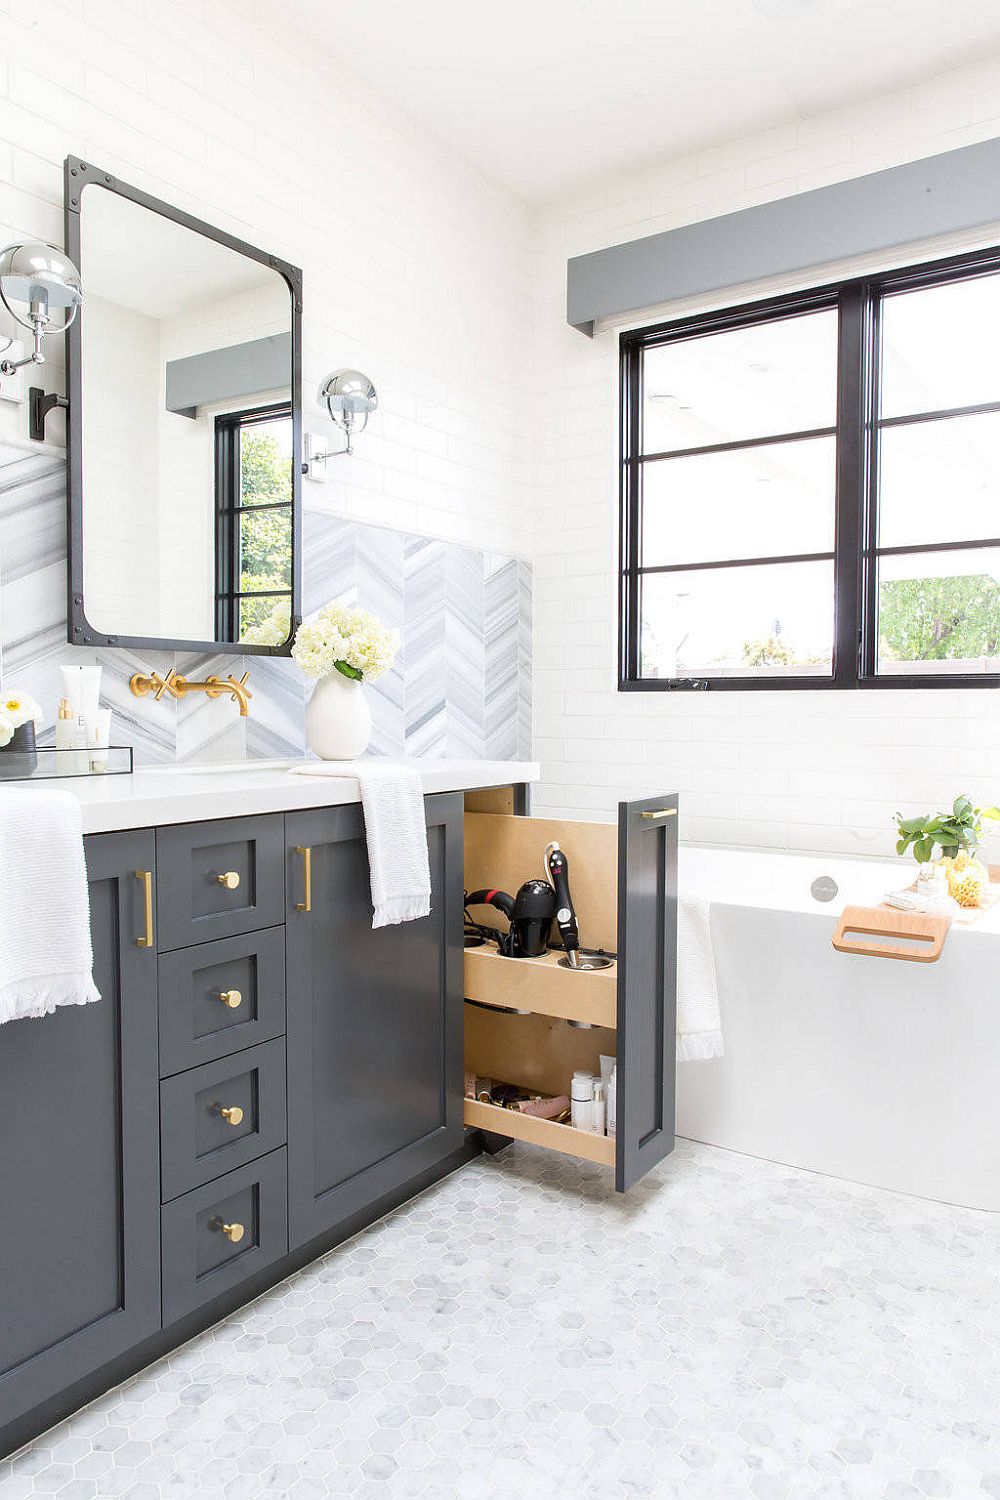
{"x":146,"y":876}
{"x":307,"y":873}
{"x":234,"y":1232}
{"x":231,"y":1113}
{"x":663,"y":812}
{"x":141,"y":684}
{"x":232,"y":998}
{"x":229,"y":878}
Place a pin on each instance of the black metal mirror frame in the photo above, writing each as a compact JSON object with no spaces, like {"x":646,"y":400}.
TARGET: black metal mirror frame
{"x":78,"y":176}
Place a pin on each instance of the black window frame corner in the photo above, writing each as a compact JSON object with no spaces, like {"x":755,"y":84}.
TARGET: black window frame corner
{"x":856,"y":552}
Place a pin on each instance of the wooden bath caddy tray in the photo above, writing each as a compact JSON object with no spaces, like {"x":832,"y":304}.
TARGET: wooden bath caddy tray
{"x":884,"y":932}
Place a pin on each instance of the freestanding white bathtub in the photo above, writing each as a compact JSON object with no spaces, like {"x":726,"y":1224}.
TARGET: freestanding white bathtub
{"x":876,"y":1070}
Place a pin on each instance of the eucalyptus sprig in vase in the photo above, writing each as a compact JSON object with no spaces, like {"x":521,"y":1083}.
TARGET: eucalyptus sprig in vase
{"x":342,"y":648}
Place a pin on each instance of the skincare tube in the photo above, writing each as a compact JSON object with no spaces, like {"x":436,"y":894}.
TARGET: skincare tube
{"x":98,"y":738}
{"x":82,"y":686}
{"x":611,"y":1103}
{"x":598,"y":1108}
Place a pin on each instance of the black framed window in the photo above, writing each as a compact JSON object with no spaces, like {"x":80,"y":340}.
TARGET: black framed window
{"x":811,"y":489}
{"x":253,"y":482}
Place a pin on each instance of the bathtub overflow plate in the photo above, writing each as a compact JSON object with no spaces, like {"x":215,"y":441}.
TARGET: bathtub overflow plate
{"x":824,"y":888}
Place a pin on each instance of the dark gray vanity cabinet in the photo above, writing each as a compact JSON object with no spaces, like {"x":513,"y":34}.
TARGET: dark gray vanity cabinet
{"x":79,"y":1166}
{"x":374,"y":1020}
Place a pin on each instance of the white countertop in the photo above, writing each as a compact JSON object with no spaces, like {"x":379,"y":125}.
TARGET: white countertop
{"x":191,"y":794}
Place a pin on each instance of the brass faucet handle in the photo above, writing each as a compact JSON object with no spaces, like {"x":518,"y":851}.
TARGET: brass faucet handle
{"x":231,"y":998}
{"x":233,"y":1232}
{"x":230,"y":879}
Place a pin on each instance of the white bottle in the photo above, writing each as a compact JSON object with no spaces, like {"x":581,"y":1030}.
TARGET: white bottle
{"x":71,"y":735}
{"x":598,"y":1107}
{"x":581,"y":1101}
{"x":612,"y":1102}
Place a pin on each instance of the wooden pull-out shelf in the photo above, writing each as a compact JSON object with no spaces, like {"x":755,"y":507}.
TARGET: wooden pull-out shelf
{"x":542,"y":985}
{"x":581,"y":1143}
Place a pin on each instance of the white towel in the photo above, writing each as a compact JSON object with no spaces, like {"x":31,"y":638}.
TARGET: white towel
{"x":392,"y":797}
{"x":699,"y":1023}
{"x":46,"y":958}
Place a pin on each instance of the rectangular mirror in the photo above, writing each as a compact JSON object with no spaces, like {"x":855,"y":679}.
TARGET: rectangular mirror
{"x":184,"y":429}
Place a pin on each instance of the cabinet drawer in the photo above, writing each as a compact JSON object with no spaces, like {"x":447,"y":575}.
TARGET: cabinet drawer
{"x":217,"y":1236}
{"x":217,"y":998}
{"x":221,"y":1115}
{"x":215,"y":880}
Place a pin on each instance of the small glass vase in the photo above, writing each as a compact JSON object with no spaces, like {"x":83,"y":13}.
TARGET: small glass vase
{"x":338,"y":719}
{"x":967,"y":876}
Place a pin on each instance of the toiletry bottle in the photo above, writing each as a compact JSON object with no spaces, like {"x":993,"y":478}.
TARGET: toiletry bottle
{"x":611,"y":1111}
{"x":598,"y":1108}
{"x":71,"y":735}
{"x":98,"y":738}
{"x":582,"y":1101}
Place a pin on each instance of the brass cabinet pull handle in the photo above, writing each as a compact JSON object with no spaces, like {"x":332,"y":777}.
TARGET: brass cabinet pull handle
{"x":232,"y":998}
{"x":663,"y":812}
{"x":229,"y":878}
{"x":146,"y":876}
{"x":232,"y":1113}
{"x":234,"y":1232}
{"x":307,"y":872}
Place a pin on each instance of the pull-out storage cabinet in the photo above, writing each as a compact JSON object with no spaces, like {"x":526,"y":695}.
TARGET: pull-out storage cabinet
{"x":624,"y":885}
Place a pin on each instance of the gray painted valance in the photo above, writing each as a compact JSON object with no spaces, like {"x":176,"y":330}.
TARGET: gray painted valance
{"x":247,"y":369}
{"x":921,"y":200}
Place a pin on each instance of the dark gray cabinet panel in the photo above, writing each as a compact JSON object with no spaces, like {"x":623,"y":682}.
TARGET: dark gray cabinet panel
{"x":223,"y":1233}
{"x":221,"y":1115}
{"x":79,"y":1268}
{"x":217,"y":879}
{"x":374,"y":1021}
{"x":647,"y":985}
{"x":220,"y":997}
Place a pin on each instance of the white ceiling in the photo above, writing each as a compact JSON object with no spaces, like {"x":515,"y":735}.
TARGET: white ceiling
{"x":550,"y":95}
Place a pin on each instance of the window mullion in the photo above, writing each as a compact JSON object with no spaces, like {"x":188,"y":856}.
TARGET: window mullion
{"x":853,"y":363}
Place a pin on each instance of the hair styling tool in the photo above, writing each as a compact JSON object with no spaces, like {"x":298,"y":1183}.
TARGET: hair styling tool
{"x":557,"y":866}
{"x":529,"y":913}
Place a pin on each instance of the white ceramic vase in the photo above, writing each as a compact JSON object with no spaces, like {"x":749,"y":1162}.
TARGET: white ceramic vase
{"x":338,"y":719}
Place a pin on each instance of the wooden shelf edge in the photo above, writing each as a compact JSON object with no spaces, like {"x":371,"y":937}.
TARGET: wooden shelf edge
{"x":542,"y":986}
{"x":579,"y":1143}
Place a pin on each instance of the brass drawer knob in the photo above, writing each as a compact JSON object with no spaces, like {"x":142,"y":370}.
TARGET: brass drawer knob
{"x":233,"y":1232}
{"x":229,"y":878}
{"x":232,"y":998}
{"x":232,"y":1113}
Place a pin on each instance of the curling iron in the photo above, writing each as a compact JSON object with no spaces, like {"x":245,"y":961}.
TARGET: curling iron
{"x":557,"y":866}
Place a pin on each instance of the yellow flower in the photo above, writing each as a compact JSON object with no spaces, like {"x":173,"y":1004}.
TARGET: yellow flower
{"x":18,"y":708}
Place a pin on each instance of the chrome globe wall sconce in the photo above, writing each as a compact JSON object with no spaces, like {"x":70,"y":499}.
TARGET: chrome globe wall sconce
{"x":350,"y":398}
{"x":42,"y":279}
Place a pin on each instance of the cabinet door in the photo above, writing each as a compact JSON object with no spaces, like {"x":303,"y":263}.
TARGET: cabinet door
{"x":79,"y":1168}
{"x":647,"y":985}
{"x":374,"y":1020}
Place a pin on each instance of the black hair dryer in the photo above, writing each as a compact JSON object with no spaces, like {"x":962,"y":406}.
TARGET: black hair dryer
{"x":557,"y":866}
{"x":530,"y":914}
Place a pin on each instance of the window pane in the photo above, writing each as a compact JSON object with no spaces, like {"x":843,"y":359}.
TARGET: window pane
{"x":750,"y":382}
{"x":939,"y":347}
{"x":265,"y":550}
{"x":266,"y":462}
{"x":940,"y":481}
{"x":770,"y":621}
{"x":754,"y":502}
{"x":939,"y":612}
{"x":265,"y":622}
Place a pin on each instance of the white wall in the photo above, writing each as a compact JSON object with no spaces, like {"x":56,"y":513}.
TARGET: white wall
{"x":416,"y":267}
{"x":801,"y":770}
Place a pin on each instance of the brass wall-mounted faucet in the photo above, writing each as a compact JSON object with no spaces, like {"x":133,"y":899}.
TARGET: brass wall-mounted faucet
{"x":142,"y":684}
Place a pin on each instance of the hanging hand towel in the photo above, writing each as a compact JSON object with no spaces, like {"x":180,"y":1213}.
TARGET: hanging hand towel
{"x":392,"y":797}
{"x":699,"y":1024}
{"x":46,"y":957}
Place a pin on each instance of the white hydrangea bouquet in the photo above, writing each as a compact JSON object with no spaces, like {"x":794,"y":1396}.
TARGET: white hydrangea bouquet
{"x":342,"y":647}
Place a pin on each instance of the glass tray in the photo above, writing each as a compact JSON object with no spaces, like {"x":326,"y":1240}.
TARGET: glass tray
{"x":46,"y":762}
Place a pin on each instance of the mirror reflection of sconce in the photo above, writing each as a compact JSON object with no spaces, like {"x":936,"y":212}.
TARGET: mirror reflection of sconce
{"x":42,"y":279}
{"x":350,"y":398}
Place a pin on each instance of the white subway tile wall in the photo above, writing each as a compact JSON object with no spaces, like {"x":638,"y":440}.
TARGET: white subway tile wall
{"x":794,"y":770}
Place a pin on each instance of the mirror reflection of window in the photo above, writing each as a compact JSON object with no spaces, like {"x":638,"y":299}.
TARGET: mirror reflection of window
{"x":254,"y":549}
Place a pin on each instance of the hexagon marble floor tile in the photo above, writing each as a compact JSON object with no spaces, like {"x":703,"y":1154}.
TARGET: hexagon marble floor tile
{"x":730,"y":1328}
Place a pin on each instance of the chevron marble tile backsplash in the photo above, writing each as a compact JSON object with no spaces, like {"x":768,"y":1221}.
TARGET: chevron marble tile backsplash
{"x":461,"y":684}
